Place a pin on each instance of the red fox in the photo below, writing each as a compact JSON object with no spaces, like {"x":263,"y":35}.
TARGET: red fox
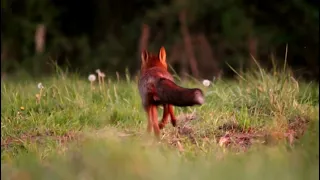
{"x":157,"y":87}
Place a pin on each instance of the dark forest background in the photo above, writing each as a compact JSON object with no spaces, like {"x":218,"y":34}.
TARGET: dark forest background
{"x":201,"y":36}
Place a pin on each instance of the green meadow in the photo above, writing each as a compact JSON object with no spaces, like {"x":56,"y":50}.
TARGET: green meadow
{"x":259,"y":126}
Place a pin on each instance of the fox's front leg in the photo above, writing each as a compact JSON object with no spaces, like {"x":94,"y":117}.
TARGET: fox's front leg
{"x":165,"y":116}
{"x":154,"y":115}
{"x":149,"y":117}
{"x":168,"y":110}
{"x":173,"y":118}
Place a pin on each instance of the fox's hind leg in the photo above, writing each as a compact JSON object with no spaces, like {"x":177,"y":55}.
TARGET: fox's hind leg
{"x":165,"y":116}
{"x":173,"y":118}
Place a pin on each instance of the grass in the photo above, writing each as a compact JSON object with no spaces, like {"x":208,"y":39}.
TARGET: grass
{"x":74,"y":132}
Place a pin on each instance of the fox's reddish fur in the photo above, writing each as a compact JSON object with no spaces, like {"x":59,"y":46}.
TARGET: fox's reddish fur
{"x":156,"y":87}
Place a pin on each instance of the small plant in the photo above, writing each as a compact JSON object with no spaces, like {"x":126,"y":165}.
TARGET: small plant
{"x":92,"y":78}
{"x":38,"y":96}
{"x":101,"y":77}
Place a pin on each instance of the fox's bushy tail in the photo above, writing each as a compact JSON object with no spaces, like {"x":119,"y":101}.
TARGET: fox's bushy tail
{"x":170,"y":93}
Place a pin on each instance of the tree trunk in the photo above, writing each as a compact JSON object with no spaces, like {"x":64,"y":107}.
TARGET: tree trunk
{"x":188,"y":44}
{"x":252,"y":46}
{"x":40,"y":38}
{"x":208,"y":58}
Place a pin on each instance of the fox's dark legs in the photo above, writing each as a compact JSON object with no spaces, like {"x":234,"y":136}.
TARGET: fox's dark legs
{"x":168,"y":110}
{"x":153,"y":118}
{"x":173,"y":118}
{"x":154,"y":115}
{"x":165,"y":116}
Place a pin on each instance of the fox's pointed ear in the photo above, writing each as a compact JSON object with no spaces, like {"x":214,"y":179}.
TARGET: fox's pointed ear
{"x":162,"y":55}
{"x":144,"y":56}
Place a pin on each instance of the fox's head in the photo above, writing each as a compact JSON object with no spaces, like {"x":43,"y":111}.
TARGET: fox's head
{"x":149,"y":60}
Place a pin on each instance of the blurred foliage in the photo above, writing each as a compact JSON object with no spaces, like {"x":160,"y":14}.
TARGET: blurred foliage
{"x":86,"y":35}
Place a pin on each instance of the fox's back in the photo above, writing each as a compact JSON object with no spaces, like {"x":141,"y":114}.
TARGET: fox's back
{"x":151,"y":75}
{"x":148,"y":80}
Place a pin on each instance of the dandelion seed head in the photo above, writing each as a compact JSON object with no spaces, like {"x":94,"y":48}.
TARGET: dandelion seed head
{"x":98,"y":71}
{"x":40,"y":86}
{"x":102,"y":75}
{"x":206,"y":82}
{"x":92,"y":77}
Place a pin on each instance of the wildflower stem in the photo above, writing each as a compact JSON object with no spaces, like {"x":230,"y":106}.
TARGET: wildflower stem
{"x":102,"y":78}
{"x":91,"y":83}
{"x":118,"y":76}
{"x":38,"y":98}
{"x":99,"y":79}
